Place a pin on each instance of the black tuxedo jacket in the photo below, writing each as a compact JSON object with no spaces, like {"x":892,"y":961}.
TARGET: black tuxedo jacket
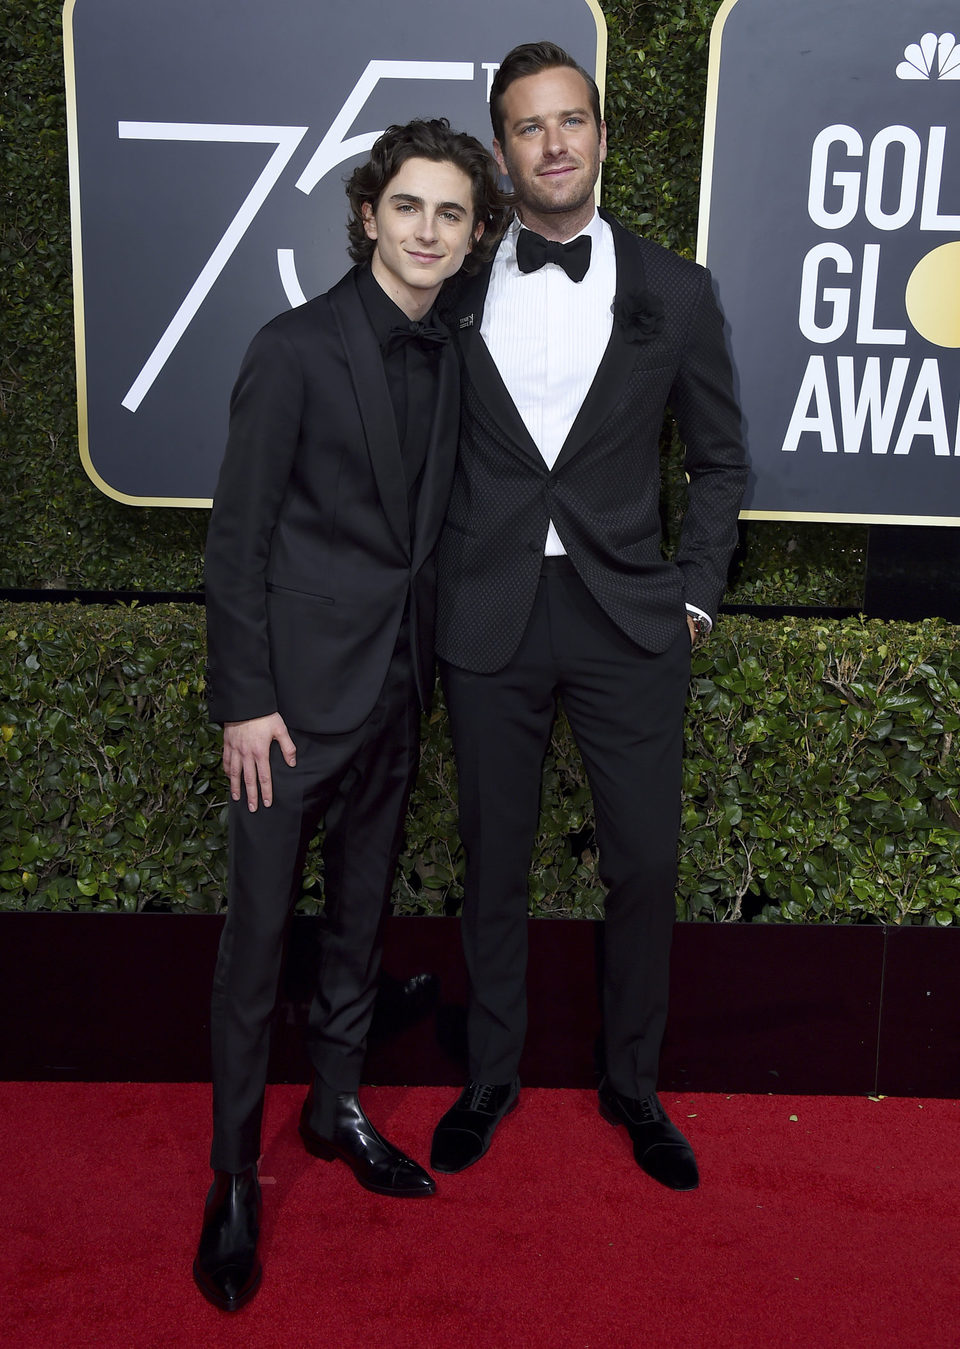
{"x":603,"y":492}
{"x":310,"y":562}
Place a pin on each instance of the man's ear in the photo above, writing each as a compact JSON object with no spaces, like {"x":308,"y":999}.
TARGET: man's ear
{"x":477,"y":235}
{"x":498,"y":156}
{"x":369,"y":220}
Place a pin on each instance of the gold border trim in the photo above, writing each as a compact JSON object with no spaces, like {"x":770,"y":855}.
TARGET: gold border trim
{"x":79,"y":327}
{"x":836,"y":518}
{"x":600,"y":72}
{"x":710,"y":128}
{"x":601,"y":67}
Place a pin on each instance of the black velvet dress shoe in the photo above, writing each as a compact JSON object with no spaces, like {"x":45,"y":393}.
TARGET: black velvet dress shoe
{"x":227,"y":1270}
{"x":377,"y":1164}
{"x":464,"y":1133}
{"x":402,"y":1003}
{"x":659,"y":1147}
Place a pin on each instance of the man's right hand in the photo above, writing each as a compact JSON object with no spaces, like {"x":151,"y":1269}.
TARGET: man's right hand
{"x":246,"y":756}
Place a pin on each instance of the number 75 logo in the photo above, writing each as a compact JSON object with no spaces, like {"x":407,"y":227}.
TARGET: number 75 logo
{"x":202,"y":201}
{"x":334,"y":149}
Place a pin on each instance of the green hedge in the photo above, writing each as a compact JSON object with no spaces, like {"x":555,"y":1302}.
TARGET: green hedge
{"x":60,"y":531}
{"x":820,"y":784}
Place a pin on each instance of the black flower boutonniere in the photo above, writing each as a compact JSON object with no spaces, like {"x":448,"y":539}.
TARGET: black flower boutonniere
{"x":639,"y":316}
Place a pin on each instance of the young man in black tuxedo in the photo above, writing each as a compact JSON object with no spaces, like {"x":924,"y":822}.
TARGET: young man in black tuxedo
{"x":552,"y":583}
{"x":320,"y":615}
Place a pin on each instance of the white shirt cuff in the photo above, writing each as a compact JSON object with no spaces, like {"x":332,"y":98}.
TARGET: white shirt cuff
{"x":699,"y":613}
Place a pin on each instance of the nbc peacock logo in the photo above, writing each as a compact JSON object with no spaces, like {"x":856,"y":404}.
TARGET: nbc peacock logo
{"x":932,"y":58}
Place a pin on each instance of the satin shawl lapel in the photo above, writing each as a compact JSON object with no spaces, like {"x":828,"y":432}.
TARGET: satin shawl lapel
{"x":619,"y":358}
{"x":481,"y":367}
{"x":440,"y":460}
{"x":373,"y":404}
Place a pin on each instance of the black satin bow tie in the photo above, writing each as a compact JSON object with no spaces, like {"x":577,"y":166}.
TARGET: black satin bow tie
{"x":421,"y":333}
{"x":533,"y":250}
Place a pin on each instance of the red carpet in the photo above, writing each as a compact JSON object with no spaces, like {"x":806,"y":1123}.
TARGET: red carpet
{"x":819,"y":1222}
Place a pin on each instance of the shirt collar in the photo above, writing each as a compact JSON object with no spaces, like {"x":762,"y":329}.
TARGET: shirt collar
{"x":593,"y":230}
{"x":383,"y":314}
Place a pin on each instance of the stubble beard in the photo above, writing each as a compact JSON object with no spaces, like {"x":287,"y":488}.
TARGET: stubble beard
{"x":534,"y":201}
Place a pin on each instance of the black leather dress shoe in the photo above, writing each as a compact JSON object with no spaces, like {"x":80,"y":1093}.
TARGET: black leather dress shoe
{"x":464,"y":1133}
{"x":377,"y":1164}
{"x":659,"y":1147}
{"x":227,"y":1270}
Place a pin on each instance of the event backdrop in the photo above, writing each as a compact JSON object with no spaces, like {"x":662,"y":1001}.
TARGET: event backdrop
{"x":830,"y":216}
{"x":209,"y":144}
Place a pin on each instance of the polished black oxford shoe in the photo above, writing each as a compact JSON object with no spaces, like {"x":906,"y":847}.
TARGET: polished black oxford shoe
{"x":659,"y":1147}
{"x":465,"y":1131}
{"x":377,"y":1164}
{"x":227,"y":1270}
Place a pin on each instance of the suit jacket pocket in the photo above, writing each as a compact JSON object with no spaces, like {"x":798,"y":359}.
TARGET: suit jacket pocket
{"x":651,"y":367}
{"x":460,"y":529}
{"x":275,"y":589}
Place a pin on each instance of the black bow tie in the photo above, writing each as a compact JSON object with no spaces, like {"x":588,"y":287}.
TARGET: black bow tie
{"x":421,"y":333}
{"x":533,"y":250}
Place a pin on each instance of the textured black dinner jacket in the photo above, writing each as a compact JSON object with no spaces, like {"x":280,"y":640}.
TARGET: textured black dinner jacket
{"x":603,"y":493}
{"x":310,"y":561}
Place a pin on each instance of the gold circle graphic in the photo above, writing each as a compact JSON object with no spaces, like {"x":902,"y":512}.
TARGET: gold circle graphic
{"x":933,"y":296}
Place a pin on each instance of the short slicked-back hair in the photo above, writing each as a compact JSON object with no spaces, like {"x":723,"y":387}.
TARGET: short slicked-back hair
{"x":530,"y":58}
{"x":429,"y":138}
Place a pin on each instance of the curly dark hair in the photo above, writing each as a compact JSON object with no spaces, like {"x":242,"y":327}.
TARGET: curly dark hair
{"x":429,"y":138}
{"x":529,"y":59}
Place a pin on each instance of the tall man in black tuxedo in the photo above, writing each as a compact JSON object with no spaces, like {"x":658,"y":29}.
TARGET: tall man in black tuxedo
{"x":320,"y":615}
{"x":553,"y":583}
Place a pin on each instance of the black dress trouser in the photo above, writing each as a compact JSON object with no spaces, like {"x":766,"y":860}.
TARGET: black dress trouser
{"x":625,"y":707}
{"x":358,"y":784}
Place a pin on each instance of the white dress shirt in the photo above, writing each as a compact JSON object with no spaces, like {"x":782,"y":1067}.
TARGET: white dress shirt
{"x":547,"y":335}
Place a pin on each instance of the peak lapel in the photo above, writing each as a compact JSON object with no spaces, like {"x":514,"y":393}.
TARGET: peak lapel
{"x":373,"y":403}
{"x":466,"y":315}
{"x":440,"y":461}
{"x":619,"y":358}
